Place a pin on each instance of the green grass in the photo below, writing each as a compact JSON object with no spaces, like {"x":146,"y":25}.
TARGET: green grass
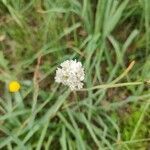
{"x":112,"y":111}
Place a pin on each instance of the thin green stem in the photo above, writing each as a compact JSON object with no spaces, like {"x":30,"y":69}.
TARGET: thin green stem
{"x":106,"y":86}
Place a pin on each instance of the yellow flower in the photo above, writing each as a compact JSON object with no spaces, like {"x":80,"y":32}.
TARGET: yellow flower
{"x":14,"y":86}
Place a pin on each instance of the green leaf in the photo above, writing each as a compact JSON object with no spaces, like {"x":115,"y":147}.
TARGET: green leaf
{"x":3,"y":61}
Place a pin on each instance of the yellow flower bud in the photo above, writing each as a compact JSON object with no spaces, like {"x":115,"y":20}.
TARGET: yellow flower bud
{"x":14,"y":86}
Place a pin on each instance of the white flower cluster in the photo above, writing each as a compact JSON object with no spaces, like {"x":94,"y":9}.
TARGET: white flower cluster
{"x":71,"y":74}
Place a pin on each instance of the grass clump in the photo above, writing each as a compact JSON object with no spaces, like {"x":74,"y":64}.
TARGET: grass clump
{"x":110,"y":38}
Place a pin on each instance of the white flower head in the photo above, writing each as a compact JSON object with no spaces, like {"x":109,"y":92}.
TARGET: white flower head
{"x":70,"y":73}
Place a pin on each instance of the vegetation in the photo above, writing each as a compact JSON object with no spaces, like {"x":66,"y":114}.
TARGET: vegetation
{"x":112,"y":40}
